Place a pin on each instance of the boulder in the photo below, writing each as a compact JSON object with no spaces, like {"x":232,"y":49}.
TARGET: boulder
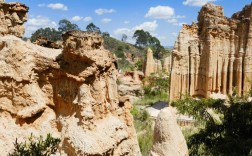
{"x":168,"y":137}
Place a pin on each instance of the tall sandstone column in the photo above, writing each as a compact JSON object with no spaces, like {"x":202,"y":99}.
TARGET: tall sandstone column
{"x":248,"y":58}
{"x":214,"y":55}
{"x":150,"y":64}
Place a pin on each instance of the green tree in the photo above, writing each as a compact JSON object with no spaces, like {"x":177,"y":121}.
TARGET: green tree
{"x":105,"y":34}
{"x":65,"y":26}
{"x":49,"y":33}
{"x":142,"y":38}
{"x":93,"y":28}
{"x":229,"y":134}
{"x":156,"y":47}
{"x":36,"y":146}
{"x":158,"y":83}
{"x":124,"y":37}
{"x":145,"y":39}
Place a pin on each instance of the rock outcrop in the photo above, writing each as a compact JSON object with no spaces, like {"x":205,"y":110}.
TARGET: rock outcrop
{"x":12,"y":17}
{"x":153,"y":66}
{"x":168,"y":138}
{"x":130,"y":84}
{"x":149,"y":64}
{"x":44,"y":42}
{"x":167,"y":64}
{"x":71,"y":94}
{"x":213,"y":55}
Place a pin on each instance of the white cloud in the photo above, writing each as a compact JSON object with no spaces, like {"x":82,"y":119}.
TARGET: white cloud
{"x":197,"y":3}
{"x":147,"y":26}
{"x":87,"y":19}
{"x":104,"y":11}
{"x":160,"y":12}
{"x":76,"y":18}
{"x":121,"y":31}
{"x":126,"y":22}
{"x":164,"y":12}
{"x":37,"y":22}
{"x":106,"y":20}
{"x":57,"y":6}
{"x":173,"y":20}
{"x":42,"y":5}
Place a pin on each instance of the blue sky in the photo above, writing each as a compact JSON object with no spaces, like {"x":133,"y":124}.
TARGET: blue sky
{"x":162,"y":18}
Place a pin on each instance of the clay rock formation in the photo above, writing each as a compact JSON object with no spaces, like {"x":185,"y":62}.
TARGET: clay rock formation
{"x":71,"y":94}
{"x":44,"y":42}
{"x":149,"y":64}
{"x":130,"y":84}
{"x":213,"y":55}
{"x":168,"y":138}
{"x":12,"y":17}
{"x":153,"y":66}
{"x":167,"y":64}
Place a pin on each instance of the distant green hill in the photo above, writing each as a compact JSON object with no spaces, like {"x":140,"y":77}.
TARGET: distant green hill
{"x":120,"y":48}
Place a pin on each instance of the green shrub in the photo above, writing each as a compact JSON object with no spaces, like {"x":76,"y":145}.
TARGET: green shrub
{"x":125,"y":65}
{"x":36,"y":146}
{"x":119,"y":52}
{"x":127,"y":47}
{"x":139,"y":65}
{"x":149,"y":99}
{"x":231,"y":134}
{"x":158,"y":82}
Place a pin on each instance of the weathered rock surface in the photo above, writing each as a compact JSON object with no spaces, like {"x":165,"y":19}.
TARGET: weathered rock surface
{"x":168,"y":138}
{"x":130,"y":84}
{"x":213,"y":55}
{"x":12,"y":17}
{"x":167,"y":64}
{"x":149,"y":64}
{"x":71,"y":94}
{"x":153,"y":66}
{"x":44,"y":42}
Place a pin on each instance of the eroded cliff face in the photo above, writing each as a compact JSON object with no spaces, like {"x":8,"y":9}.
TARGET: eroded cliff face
{"x":12,"y":17}
{"x":71,"y":94}
{"x":213,"y":55}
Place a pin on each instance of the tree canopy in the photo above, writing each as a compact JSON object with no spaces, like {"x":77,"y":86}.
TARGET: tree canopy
{"x":230,"y":134}
{"x":145,"y":39}
{"x":50,"y":33}
{"x":53,"y":34}
{"x":124,"y":37}
{"x":93,"y":28}
{"x":65,"y":26}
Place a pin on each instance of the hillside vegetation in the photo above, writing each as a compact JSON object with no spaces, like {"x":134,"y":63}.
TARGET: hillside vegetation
{"x":119,"y":47}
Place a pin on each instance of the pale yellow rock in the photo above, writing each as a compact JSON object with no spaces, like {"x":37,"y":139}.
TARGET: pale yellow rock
{"x":130,"y":84}
{"x":168,"y":137}
{"x":167,"y":64}
{"x":12,"y":17}
{"x":214,"y":55}
{"x":150,"y":64}
{"x":71,"y":94}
